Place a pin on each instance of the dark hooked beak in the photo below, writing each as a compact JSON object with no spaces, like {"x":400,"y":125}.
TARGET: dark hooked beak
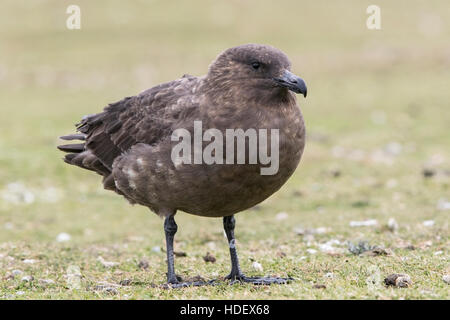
{"x":292,"y":82}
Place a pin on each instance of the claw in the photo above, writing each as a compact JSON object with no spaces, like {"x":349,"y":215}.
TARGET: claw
{"x":257,"y":280}
{"x":176,"y":285}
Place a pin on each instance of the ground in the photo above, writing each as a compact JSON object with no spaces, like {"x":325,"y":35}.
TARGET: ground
{"x":377,"y":151}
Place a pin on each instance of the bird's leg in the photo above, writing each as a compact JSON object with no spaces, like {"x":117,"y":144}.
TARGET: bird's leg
{"x":229,"y":224}
{"x":170,"y":228}
{"x":236,"y":274}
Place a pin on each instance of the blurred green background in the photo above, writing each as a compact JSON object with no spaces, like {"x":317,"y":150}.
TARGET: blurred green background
{"x":377,"y":115}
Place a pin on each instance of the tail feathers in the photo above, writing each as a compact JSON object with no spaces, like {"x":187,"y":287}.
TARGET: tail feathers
{"x":76,"y":136}
{"x":72,"y":148}
{"x":87,"y":160}
{"x":79,"y":155}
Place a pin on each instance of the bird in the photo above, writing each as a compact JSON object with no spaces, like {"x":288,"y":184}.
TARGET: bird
{"x":131,"y":144}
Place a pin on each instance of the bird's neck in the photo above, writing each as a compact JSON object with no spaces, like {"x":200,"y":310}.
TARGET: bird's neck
{"x":232,"y":93}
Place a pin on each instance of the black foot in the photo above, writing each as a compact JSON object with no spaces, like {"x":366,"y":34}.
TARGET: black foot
{"x":184,"y":284}
{"x":257,"y":280}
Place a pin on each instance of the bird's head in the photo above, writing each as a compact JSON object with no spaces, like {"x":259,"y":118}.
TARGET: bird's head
{"x":257,"y":67}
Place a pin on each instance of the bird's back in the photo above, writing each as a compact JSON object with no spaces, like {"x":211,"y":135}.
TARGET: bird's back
{"x":145,"y":118}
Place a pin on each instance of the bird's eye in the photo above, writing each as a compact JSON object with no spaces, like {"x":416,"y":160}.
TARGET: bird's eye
{"x":256,"y":65}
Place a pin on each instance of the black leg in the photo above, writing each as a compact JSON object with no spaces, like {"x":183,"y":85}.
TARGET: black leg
{"x":229,"y":224}
{"x":170,"y":228}
{"x":236,"y":274}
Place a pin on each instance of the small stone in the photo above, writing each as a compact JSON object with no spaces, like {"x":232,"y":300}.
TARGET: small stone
{"x":209,"y":258}
{"x":319,"y":286}
{"x":329,"y":275}
{"x":392,"y":225}
{"x":27,"y":278}
{"x":156,"y":249}
{"x":428,"y":172}
{"x":107,"y":287}
{"x":360,"y":247}
{"x":321,"y":230}
{"x":335,"y":173}
{"x":377,"y":251}
{"x":305,"y":232}
{"x":366,"y":223}
{"x":443,"y":205}
{"x":257,"y":266}
{"x":73,"y":277}
{"x":143,"y":264}
{"x":107,"y":264}
{"x":328,"y":247}
{"x":16,"y":272}
{"x":297,"y":193}
{"x":211,"y":245}
{"x":63,"y":237}
{"x":446,"y":278}
{"x":398,"y":280}
{"x":46,"y":282}
{"x":29,"y":261}
{"x":311,"y":251}
{"x":360,"y":203}
{"x":428,"y":223}
{"x":300,"y":231}
{"x":125,"y":282}
{"x":393,"y":148}
{"x":281,"y":216}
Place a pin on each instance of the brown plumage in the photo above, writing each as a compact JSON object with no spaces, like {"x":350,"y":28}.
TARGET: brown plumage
{"x":129,"y":143}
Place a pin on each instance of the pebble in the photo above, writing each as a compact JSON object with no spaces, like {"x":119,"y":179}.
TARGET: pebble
{"x":392,"y":225}
{"x":366,"y":223}
{"x":209,"y":258}
{"x":46,"y":281}
{"x":107,"y":287}
{"x":328,"y":247}
{"x":29,"y":261}
{"x":428,"y":223}
{"x":16,"y":272}
{"x":281,"y":216}
{"x":398,"y":280}
{"x":63,"y":237}
{"x":143,"y":264}
{"x":443,"y":205}
{"x":446,"y":278}
{"x":257,"y":266}
{"x":27,"y":278}
{"x":107,"y":264}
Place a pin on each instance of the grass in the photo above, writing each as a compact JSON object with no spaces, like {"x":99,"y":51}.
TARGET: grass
{"x":376,"y":115}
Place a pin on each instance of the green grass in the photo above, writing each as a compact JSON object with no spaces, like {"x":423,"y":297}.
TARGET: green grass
{"x":368,"y":92}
